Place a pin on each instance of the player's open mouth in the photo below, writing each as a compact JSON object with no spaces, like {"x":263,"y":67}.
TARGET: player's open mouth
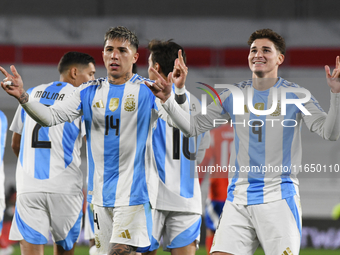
{"x":114,"y":66}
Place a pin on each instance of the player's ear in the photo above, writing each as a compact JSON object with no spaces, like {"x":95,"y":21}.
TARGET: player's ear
{"x":157,"y":67}
{"x":135,"y":57}
{"x":280,"y":59}
{"x":73,"y":72}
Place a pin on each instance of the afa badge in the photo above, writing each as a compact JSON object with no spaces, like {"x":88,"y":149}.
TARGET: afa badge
{"x":277,"y":111}
{"x":130,"y":103}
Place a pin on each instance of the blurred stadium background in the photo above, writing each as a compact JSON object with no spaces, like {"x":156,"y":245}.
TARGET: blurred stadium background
{"x":35,"y":34}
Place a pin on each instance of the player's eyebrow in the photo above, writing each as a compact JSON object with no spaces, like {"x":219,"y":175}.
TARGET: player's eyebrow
{"x":119,"y":48}
{"x":263,"y":47}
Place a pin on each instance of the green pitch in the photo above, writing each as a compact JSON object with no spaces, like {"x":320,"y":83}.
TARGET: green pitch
{"x":83,"y":250}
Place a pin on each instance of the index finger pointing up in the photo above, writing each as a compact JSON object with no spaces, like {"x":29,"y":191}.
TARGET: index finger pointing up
{"x":180,"y":57}
{"x":4,"y":72}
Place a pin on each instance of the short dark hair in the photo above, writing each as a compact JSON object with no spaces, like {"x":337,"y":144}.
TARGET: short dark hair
{"x":74,"y":58}
{"x":122,"y":33}
{"x":165,"y":53}
{"x":267,"y":33}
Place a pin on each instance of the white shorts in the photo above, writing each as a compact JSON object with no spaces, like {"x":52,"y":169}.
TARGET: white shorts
{"x":276,"y":225}
{"x":37,"y":213}
{"x":178,"y":229}
{"x":2,"y":210}
{"x":88,"y":222}
{"x":130,"y":225}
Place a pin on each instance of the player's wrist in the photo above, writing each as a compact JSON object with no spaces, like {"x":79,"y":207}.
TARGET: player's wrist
{"x":23,"y":98}
{"x":180,"y":91}
{"x":165,"y":99}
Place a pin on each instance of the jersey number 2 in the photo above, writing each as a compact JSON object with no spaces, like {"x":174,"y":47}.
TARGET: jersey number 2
{"x":35,"y":139}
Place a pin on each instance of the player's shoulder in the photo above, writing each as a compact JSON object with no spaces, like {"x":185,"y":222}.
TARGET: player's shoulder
{"x":287,"y":84}
{"x":53,"y":84}
{"x":94,"y":83}
{"x":243,"y":84}
{"x":300,"y":92}
{"x":240,"y":85}
{"x":140,"y":80}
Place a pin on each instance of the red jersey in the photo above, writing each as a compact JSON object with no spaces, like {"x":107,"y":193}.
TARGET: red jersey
{"x":217,"y":156}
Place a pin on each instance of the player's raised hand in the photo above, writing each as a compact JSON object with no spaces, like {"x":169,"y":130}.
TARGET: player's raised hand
{"x":13,"y":84}
{"x":180,"y":71}
{"x":161,"y":88}
{"x":333,"y":79}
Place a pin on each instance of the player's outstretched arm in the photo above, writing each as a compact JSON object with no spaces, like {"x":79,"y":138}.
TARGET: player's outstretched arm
{"x":327,"y":125}
{"x":13,"y":85}
{"x":333,"y":79}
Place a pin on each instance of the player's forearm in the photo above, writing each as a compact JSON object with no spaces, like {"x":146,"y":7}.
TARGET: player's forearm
{"x":39,"y":112}
{"x":179,"y":117}
{"x":329,"y":127}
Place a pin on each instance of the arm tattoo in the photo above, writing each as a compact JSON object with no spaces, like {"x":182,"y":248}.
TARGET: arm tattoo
{"x":23,"y":98}
{"x":121,"y":249}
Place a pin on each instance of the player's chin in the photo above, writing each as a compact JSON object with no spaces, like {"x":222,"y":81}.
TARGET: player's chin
{"x":258,"y":73}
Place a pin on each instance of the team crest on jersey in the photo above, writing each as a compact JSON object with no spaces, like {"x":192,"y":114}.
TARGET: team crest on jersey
{"x":114,"y":103}
{"x":130,"y":103}
{"x":277,"y":111}
{"x":257,"y":106}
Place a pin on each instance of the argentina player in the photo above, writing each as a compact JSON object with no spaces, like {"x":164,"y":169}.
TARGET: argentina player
{"x":48,"y":175}
{"x":262,"y":207}
{"x":120,"y":114}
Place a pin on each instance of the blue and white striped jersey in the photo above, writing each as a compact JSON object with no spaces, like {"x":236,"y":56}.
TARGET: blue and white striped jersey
{"x":119,"y":121}
{"x":49,"y":157}
{"x":3,"y":134}
{"x":266,"y":153}
{"x":175,"y":154}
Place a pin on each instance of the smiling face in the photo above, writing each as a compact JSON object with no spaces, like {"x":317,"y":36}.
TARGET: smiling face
{"x":264,"y":59}
{"x":119,"y":56}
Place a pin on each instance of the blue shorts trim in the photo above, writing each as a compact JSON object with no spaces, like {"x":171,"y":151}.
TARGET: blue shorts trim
{"x":148,"y":216}
{"x":72,"y":235}
{"x":187,"y":236}
{"x":293,"y":207}
{"x":29,"y":234}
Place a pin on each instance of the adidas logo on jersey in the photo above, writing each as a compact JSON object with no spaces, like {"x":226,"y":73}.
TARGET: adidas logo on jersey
{"x":99,"y":104}
{"x":287,"y":252}
{"x":125,"y":234}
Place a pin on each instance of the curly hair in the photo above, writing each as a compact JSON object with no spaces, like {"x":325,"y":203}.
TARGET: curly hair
{"x":269,"y":34}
